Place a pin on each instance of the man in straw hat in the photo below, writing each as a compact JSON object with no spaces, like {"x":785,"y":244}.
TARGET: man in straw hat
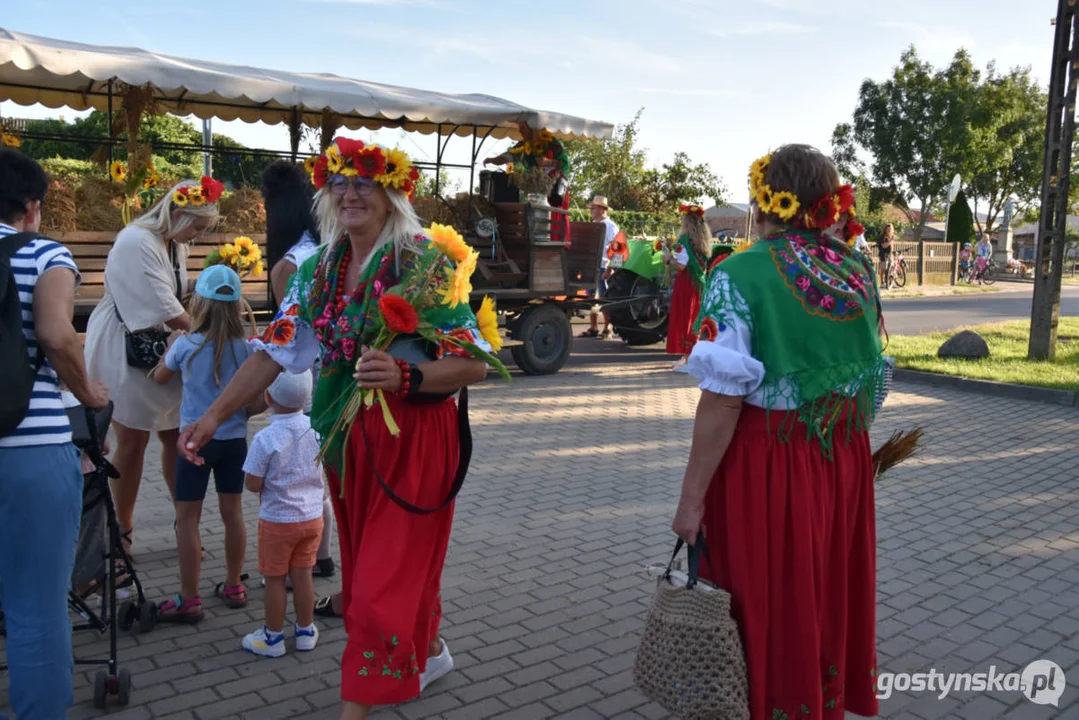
{"x":600,"y":209}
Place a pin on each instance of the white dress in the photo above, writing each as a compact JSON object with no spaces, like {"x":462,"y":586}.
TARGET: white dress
{"x":140,"y":282}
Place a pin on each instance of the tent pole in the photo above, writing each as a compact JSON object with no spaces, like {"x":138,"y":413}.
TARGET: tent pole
{"x":207,"y":158}
{"x":438,"y":160}
{"x":110,"y":123}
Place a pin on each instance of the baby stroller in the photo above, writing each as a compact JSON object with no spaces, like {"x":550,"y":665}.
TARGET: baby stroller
{"x":99,"y":548}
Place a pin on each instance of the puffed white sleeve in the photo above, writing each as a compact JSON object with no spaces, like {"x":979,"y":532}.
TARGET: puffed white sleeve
{"x":681,"y":255}
{"x":722,"y":360}
{"x":290,"y":340}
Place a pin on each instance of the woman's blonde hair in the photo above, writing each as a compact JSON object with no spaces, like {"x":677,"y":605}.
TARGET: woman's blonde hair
{"x":696,"y":229}
{"x":158,"y":219}
{"x":401,"y":228}
{"x":889,"y":231}
{"x":220,"y":322}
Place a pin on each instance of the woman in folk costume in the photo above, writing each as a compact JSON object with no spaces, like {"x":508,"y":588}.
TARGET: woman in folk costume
{"x":780,"y":474}
{"x":689,"y":258}
{"x":336,"y":306}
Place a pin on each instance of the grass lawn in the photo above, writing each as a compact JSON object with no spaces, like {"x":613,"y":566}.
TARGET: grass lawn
{"x":1008,"y":355}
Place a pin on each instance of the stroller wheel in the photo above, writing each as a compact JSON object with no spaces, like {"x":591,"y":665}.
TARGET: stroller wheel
{"x":127,"y":615}
{"x":101,"y":689}
{"x":123,"y":687}
{"x":147,"y":617}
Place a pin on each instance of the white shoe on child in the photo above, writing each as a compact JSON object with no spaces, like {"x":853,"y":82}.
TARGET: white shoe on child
{"x":265,"y":643}
{"x":306,"y":638}
{"x":437,"y":667}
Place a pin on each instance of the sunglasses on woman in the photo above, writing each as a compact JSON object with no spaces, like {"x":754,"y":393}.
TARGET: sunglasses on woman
{"x":339,"y":185}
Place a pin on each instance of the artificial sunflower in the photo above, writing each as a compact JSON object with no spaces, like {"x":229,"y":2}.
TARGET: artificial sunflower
{"x":152,"y":179}
{"x":459,"y":281}
{"x":785,"y":205}
{"x":398,"y":169}
{"x":195,"y":196}
{"x":11,"y":141}
{"x":334,"y":163}
{"x":509,"y":168}
{"x":764,"y":199}
{"x":259,"y":268}
{"x":117,"y":171}
{"x":309,"y":164}
{"x":449,"y":242}
{"x":179,"y":199}
{"x":487,"y":317}
{"x":228,"y":252}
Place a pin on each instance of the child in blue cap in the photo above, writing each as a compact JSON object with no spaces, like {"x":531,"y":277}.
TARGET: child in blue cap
{"x":206,"y":360}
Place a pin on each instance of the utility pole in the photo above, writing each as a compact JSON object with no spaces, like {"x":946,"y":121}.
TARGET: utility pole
{"x":1052,"y":225}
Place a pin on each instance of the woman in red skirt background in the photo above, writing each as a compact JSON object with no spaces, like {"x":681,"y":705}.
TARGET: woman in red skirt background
{"x":780,"y":475}
{"x":689,"y":258}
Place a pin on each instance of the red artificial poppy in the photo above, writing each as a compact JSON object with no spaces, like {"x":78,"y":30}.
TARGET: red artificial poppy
{"x":280,"y":332}
{"x":823,"y":214}
{"x":414,"y":174}
{"x":321,"y":173}
{"x":369,"y":162}
{"x":845,"y":198}
{"x":348,"y":147}
{"x":854,"y":229}
{"x":211,"y":189}
{"x":709,"y":330}
{"x":408,"y":188}
{"x":398,"y":314}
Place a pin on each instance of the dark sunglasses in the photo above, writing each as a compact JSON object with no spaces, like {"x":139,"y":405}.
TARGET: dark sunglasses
{"x":339,"y":185}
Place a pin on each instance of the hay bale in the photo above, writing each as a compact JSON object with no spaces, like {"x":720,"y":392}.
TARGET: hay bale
{"x":59,"y":211}
{"x":432,"y":210}
{"x":242,"y":212}
{"x":98,"y":204}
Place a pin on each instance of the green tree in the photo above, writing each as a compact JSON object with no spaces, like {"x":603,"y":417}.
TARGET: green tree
{"x":616,"y":167}
{"x":1008,"y":143}
{"x":915,"y":127}
{"x":960,"y":221}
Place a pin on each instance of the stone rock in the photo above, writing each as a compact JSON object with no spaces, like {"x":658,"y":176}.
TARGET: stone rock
{"x":967,"y":344}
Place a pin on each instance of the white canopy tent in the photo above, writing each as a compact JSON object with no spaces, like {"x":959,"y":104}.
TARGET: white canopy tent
{"x":58,"y":73}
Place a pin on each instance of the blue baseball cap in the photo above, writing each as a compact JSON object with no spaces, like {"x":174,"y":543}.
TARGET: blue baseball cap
{"x":218,"y":282}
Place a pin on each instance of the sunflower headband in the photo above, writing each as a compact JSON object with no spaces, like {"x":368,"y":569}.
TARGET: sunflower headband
{"x":691,"y":210}
{"x":207,"y":192}
{"x":785,"y":205}
{"x":351,"y":158}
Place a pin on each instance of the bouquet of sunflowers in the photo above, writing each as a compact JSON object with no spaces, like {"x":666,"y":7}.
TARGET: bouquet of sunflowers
{"x":432,"y":285}
{"x":242,"y":255}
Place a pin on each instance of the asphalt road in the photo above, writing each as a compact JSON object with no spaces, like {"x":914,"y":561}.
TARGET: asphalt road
{"x":912,"y":316}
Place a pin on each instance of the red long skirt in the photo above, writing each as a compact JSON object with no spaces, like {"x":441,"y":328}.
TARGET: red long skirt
{"x":685,"y":304}
{"x":560,"y":223}
{"x":391,"y":560}
{"x":792,"y":536}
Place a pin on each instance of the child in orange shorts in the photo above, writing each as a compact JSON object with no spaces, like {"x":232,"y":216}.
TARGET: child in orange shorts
{"x":281,"y":467}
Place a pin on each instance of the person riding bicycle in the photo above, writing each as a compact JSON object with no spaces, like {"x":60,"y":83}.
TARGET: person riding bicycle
{"x":965,"y":256}
{"x":885,"y":250}
{"x":984,"y":253}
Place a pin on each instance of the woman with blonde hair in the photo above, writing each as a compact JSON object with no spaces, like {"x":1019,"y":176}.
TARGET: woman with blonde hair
{"x":689,"y":258}
{"x":145,"y":279}
{"x":393,"y":539}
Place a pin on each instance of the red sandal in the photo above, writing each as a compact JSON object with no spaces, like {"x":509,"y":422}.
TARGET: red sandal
{"x":235,"y":597}
{"x":178,"y":611}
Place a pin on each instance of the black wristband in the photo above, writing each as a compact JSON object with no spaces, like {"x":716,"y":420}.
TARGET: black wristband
{"x":415,"y":379}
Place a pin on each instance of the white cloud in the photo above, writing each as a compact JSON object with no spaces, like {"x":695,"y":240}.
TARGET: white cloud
{"x":935,"y":43}
{"x":766,"y":27}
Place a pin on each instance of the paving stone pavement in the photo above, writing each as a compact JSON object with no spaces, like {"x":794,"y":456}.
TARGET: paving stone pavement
{"x":571,"y":495}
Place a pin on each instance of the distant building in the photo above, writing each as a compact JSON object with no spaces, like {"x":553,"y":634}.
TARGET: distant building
{"x":1025,"y":238}
{"x":728,"y":220}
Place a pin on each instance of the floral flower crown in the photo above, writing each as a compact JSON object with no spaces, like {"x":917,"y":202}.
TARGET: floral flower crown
{"x":352,"y":158}
{"x":787,"y":207}
{"x":691,"y":210}
{"x":206,"y":192}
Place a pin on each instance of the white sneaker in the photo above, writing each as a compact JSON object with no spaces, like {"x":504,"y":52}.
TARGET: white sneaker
{"x":437,"y":667}
{"x":263,"y":642}
{"x":306,"y":638}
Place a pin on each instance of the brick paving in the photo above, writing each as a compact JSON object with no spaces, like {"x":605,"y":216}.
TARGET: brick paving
{"x":570,"y":496}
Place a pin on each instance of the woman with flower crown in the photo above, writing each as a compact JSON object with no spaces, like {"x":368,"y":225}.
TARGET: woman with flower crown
{"x":145,"y":280}
{"x":689,"y":259}
{"x":339,"y":305}
{"x":780,"y":473}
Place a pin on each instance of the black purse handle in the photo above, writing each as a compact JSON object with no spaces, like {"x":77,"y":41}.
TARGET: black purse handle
{"x":464,"y":433}
{"x":694,"y":551}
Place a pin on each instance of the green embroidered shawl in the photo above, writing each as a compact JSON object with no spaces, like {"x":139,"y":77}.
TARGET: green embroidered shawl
{"x":696,"y":266}
{"x":813,"y":307}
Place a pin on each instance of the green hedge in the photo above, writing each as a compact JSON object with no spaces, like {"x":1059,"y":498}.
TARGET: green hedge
{"x":635,"y":223}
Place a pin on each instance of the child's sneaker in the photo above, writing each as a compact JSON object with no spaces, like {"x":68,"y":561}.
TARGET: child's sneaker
{"x":306,"y":638}
{"x":265,"y":643}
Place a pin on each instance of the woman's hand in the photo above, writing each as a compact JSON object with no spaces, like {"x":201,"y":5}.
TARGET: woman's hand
{"x":687,"y":520}
{"x":194,"y":437}
{"x":378,"y":371}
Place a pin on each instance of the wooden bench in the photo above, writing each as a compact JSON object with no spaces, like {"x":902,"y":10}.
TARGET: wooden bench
{"x":91,"y":250}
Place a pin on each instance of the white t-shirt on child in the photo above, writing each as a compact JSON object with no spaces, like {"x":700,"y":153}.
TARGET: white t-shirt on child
{"x":283,"y":455}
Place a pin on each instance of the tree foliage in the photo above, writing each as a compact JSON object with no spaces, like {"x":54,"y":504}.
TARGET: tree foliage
{"x":616,"y":167}
{"x":922,"y":126}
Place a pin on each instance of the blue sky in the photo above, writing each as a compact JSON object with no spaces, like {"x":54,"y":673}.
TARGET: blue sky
{"x":723,"y":80}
